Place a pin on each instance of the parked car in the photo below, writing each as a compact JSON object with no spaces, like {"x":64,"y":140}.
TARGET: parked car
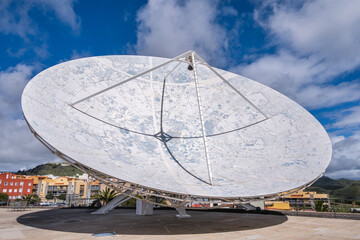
{"x":45,"y":204}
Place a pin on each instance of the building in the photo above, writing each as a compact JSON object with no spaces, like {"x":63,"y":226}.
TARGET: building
{"x":277,"y":205}
{"x":73,"y":187}
{"x":305,"y":199}
{"x":15,"y":186}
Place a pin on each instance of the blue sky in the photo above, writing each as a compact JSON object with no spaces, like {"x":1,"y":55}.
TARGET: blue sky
{"x":307,"y":50}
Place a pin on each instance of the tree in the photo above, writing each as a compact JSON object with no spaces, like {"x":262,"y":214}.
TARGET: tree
{"x":31,"y":198}
{"x":62,"y":197}
{"x":106,"y":195}
{"x":320,"y":206}
{"x":4,"y":197}
{"x":49,"y":196}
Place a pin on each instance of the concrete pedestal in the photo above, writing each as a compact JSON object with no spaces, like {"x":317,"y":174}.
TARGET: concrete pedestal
{"x":144,"y":208}
{"x":182,"y":213}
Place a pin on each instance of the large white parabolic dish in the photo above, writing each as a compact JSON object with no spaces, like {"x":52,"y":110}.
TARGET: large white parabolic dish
{"x":203,"y":132}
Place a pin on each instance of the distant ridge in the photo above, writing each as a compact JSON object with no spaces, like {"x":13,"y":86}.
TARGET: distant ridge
{"x":56,"y":169}
{"x":342,"y":188}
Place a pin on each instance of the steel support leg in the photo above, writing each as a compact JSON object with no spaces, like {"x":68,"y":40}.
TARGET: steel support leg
{"x":114,"y":203}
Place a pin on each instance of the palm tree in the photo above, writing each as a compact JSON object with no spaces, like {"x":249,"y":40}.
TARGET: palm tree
{"x":106,"y":195}
{"x":31,"y":198}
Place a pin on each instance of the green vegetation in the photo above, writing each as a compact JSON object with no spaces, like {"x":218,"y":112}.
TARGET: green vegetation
{"x":129,"y":203}
{"x":49,"y":196}
{"x":4,"y":197}
{"x":52,"y":168}
{"x":328,"y":183}
{"x":344,"y":190}
{"x":62,"y":197}
{"x":31,"y":198}
{"x":320,"y":206}
{"x":106,"y":195}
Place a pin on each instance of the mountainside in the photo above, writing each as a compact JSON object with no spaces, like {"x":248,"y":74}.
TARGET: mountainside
{"x":328,"y":183}
{"x":342,"y":188}
{"x":55,"y":169}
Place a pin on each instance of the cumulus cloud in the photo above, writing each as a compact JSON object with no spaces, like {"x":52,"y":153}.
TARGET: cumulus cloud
{"x":317,"y":96}
{"x":64,"y":10}
{"x":346,"y":155}
{"x":327,"y":29}
{"x":351,"y":117}
{"x":18,"y":147}
{"x":12,"y":83}
{"x":316,"y":42}
{"x":15,"y":19}
{"x":169,"y":28}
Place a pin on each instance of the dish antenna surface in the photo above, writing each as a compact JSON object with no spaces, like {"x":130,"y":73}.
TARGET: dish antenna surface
{"x":175,"y":128}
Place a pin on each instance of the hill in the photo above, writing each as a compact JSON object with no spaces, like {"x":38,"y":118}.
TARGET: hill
{"x":329,"y":184}
{"x":55,"y":169}
{"x":341,"y":188}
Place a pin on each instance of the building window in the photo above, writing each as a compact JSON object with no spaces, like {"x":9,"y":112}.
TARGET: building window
{"x":0,"y":181}
{"x":20,"y":190}
{"x":15,"y":190}
{"x":28,"y":190}
{"x":29,"y":183}
{"x":7,"y":176}
{"x":10,"y":190}
{"x":22,"y":183}
{"x":4,"y":190}
{"x":16,"y":183}
{"x":11,"y":183}
{"x":5,"y":183}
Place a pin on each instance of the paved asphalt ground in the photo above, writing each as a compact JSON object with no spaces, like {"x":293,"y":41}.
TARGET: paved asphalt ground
{"x":47,"y":224}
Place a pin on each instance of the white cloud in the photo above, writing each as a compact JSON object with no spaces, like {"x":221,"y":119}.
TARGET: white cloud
{"x":349,"y":174}
{"x":317,"y":96}
{"x":351,"y":117}
{"x":328,"y":29}
{"x":64,"y":10}
{"x":12,"y":83}
{"x":229,"y":11}
{"x":169,"y":28}
{"x":19,"y":148}
{"x":336,"y":139}
{"x":75,"y":54}
{"x":346,"y":156}
{"x":315,"y":43}
{"x":15,"y":19}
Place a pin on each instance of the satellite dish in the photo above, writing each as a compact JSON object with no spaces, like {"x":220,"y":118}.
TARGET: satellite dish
{"x":175,"y":127}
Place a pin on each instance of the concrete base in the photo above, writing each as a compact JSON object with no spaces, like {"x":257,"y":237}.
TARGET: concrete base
{"x":259,"y":203}
{"x":253,"y":205}
{"x":144,"y":208}
{"x":182,"y":213}
{"x":77,"y":224}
